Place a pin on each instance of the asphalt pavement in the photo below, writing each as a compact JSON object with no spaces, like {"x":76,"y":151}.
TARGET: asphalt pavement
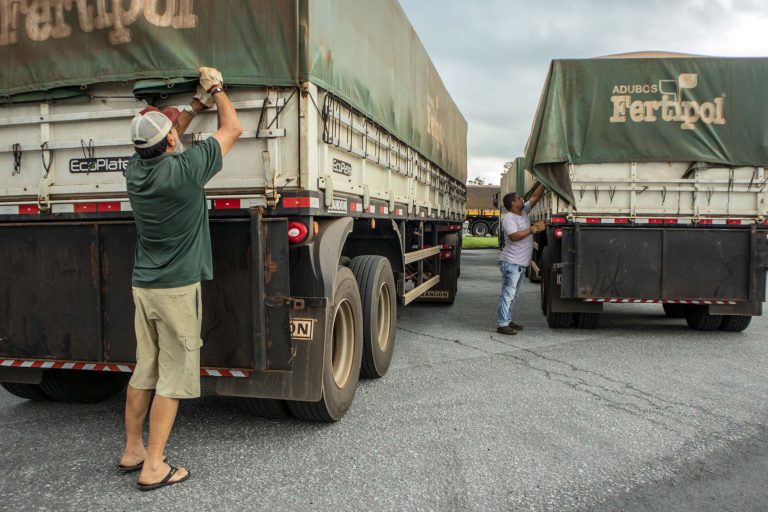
{"x":641,"y":414}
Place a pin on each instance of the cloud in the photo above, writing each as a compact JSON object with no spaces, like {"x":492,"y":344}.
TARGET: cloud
{"x":493,"y":55}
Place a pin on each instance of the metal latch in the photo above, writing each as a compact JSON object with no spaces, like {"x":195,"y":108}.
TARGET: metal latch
{"x":296,"y":303}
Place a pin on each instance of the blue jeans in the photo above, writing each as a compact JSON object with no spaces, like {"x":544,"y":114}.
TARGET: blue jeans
{"x":512,"y":282}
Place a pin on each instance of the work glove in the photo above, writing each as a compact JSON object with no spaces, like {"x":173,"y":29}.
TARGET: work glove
{"x":210,"y":78}
{"x":538,"y":226}
{"x":203,"y":96}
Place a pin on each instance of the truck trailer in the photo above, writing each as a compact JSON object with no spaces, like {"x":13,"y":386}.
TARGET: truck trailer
{"x":655,"y":170}
{"x":344,"y":197}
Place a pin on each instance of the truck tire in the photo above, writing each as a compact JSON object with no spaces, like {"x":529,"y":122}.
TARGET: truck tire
{"x":26,"y":391}
{"x":559,"y":320}
{"x":379,"y":301}
{"x":699,"y":319}
{"x":83,"y":387}
{"x":735,"y":323}
{"x":344,"y":350}
{"x":674,"y":310}
{"x":586,"y":320}
{"x":495,"y":229}
{"x":480,"y":229}
{"x":266,"y":408}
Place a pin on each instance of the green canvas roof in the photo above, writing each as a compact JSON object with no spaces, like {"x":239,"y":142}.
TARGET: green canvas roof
{"x":701,"y":110}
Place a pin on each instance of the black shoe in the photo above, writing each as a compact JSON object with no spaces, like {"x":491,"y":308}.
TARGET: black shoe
{"x":507,"y":329}
{"x":515,"y":326}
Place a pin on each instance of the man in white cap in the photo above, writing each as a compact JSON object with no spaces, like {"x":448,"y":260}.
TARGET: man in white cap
{"x":173,"y":255}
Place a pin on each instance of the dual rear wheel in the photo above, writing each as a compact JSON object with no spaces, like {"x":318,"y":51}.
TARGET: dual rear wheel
{"x":361,"y":339}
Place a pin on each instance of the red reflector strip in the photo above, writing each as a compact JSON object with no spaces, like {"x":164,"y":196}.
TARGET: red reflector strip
{"x":109,"y":367}
{"x":661,"y":301}
{"x":558,"y":220}
{"x":296,"y":202}
{"x":226,"y":204}
{"x":593,"y":220}
{"x":670,"y":221}
{"x":655,"y":221}
{"x":705,"y":222}
{"x":29,"y":209}
{"x":621,"y":220}
{"x":733,"y":222}
{"x":109,"y":207}
{"x":86,"y":207}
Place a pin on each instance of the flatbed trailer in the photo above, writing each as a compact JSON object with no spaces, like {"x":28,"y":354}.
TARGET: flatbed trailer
{"x":327,"y":215}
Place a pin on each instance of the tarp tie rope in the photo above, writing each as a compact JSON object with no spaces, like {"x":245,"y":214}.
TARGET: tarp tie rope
{"x":46,"y":163}
{"x":16,"y":159}
{"x":89,"y":153}
{"x":710,"y":192}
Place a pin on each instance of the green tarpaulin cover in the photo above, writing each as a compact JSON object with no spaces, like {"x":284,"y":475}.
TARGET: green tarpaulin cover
{"x":698,"y":110}
{"x":364,"y":51}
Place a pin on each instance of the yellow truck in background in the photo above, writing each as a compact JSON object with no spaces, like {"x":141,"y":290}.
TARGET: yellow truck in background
{"x":482,"y":212}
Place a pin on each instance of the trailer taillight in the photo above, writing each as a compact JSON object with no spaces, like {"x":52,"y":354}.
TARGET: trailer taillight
{"x":558,"y":233}
{"x":297,"y":231}
{"x":446,"y":252}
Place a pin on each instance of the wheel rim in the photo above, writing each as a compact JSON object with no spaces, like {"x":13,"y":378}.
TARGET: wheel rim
{"x":384,"y":316}
{"x":343,"y":343}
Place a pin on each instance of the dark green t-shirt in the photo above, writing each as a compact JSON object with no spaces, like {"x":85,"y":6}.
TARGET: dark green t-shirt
{"x":171,"y":213}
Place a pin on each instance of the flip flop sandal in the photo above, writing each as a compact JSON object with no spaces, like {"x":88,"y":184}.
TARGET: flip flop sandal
{"x":135,"y":467}
{"x":164,"y":482}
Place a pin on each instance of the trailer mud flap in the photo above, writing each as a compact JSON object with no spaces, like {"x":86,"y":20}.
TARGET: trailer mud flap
{"x":674,"y":263}
{"x":304,"y":381}
{"x":65,"y":294}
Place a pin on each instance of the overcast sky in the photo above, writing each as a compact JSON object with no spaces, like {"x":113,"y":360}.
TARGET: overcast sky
{"x":493,"y":55}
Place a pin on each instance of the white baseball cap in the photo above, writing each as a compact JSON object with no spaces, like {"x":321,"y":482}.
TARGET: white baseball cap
{"x":152,"y":125}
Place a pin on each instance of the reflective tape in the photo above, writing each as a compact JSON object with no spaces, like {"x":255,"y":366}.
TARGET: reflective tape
{"x":108,"y":367}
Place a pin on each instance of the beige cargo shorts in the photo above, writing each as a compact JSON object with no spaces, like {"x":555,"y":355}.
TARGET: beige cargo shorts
{"x":168,"y":340}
